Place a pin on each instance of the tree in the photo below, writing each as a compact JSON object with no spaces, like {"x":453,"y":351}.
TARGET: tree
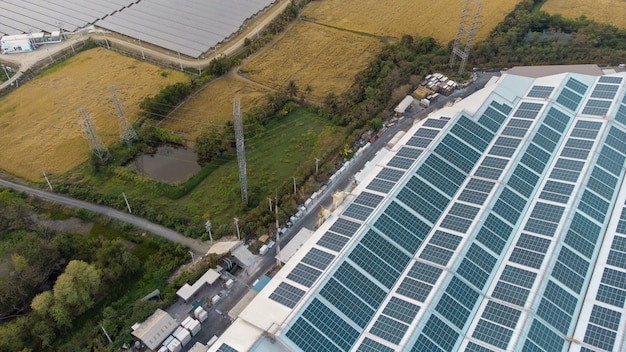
{"x":77,"y":287}
{"x":292,"y":89}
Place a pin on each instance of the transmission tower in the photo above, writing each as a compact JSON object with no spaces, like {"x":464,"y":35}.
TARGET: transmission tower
{"x":468,"y":31}
{"x":241,"y":150}
{"x":127,"y":133}
{"x":96,"y":146}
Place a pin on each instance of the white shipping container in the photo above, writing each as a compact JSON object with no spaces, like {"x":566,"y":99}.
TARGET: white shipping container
{"x":182,"y":335}
{"x":163,"y":349}
{"x":174,"y":346}
{"x":186,"y":322}
{"x":229,"y":283}
{"x":194,"y":327}
{"x":200,"y":314}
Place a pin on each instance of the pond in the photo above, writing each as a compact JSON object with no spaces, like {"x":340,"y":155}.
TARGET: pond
{"x":169,"y":164}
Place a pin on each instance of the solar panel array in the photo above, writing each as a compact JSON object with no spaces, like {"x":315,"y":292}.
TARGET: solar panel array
{"x":485,"y":238}
{"x":191,"y":28}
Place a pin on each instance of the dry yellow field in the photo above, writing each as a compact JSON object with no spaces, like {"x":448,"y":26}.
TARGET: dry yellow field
{"x":394,"y":18}
{"x":213,"y":105}
{"x":39,"y":122}
{"x":327,"y":59}
{"x":604,"y":11}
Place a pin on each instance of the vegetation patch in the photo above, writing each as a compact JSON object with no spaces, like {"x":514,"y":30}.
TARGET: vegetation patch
{"x":323,"y":58}
{"x":606,"y":11}
{"x":437,"y":19}
{"x":41,"y":119}
{"x":213,"y":105}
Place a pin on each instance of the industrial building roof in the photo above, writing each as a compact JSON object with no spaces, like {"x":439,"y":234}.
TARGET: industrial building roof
{"x":498,"y":224}
{"x":155,"y":329}
{"x":190,"y":29}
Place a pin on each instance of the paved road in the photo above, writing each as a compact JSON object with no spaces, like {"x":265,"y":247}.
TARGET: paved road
{"x":195,"y":245}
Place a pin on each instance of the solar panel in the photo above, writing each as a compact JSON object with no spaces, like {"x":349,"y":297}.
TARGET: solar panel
{"x":357,"y":212}
{"x":360,"y":284}
{"x":446,"y":240}
{"x":414,"y":289}
{"x":480,"y":185}
{"x":347,"y":302}
{"x":418,"y":142}
{"x":318,"y":259}
{"x":402,"y":310}
{"x":600,"y":337}
{"x":226,"y":348}
{"x":369,"y":345}
{"x":611,"y":80}
{"x":390,"y":174}
{"x":576,"y":85}
{"x":540,"y":92}
{"x":400,"y":162}
{"x":425,"y":272}
{"x":330,"y":324}
{"x":456,"y":223}
{"x":304,"y":275}
{"x":554,"y":316}
{"x":435,"y":123}
{"x":381,"y":186}
{"x":492,"y":334}
{"x":368,"y":199}
{"x":514,"y":132}
{"x":333,"y":241}
{"x":389,"y":329}
{"x":473,"y":197}
{"x":527,"y":258}
{"x":436,"y":255}
{"x":501,"y":314}
{"x":287,"y":295}
{"x":510,"y":293}
{"x":345,"y":227}
{"x":452,"y":311}
{"x":409,"y":153}
{"x":569,"y":99}
{"x":426,"y":133}
{"x":518,"y":276}
{"x":533,"y":243}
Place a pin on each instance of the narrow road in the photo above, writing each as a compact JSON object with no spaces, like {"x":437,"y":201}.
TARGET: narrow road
{"x":197,"y":246}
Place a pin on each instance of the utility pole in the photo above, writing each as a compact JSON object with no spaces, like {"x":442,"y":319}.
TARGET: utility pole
{"x":270,"y":200}
{"x":105,"y":39}
{"x":143,"y":56}
{"x":294,"y":185}
{"x":237,"y":226}
{"x":180,"y":61}
{"x":207,"y":225}
{"x":96,"y":146}
{"x":278,"y":262}
{"x":127,"y":133}
{"x":317,"y":164}
{"x":48,"y":181}
{"x":193,"y":261}
{"x":127,"y":204}
{"x":241,"y":150}
{"x":107,"y":334}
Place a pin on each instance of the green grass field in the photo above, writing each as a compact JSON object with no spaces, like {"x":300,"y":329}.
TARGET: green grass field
{"x":273,"y":158}
{"x":285,"y":146}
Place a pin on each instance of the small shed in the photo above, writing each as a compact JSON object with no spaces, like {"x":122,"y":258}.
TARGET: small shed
{"x":404,"y":104}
